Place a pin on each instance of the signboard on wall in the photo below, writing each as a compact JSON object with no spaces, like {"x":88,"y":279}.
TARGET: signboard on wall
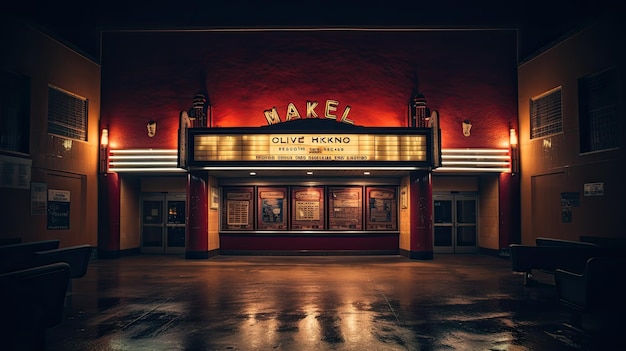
{"x":237,"y":208}
{"x":38,"y":198}
{"x":58,"y":209}
{"x":310,"y":142}
{"x":310,"y":147}
{"x":594,"y":189}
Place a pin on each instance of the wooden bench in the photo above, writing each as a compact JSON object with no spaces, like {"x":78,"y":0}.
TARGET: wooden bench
{"x":597,"y":291}
{"x":551,"y":255}
{"x":31,"y":300}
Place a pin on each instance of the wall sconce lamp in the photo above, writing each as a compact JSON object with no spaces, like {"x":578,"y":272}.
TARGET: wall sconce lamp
{"x":104,"y":138}
{"x":104,"y":151}
{"x":514,"y":151}
{"x":512,"y":137}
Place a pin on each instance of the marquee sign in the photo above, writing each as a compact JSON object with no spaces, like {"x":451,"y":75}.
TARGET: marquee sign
{"x":310,"y":147}
{"x":260,"y":146}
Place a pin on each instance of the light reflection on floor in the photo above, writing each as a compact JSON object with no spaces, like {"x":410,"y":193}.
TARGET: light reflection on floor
{"x":308,"y":303}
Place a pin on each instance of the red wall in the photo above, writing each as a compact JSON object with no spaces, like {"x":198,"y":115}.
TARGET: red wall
{"x":463,"y":74}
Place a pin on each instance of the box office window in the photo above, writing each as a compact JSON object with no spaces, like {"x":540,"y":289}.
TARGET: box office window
{"x":337,"y":208}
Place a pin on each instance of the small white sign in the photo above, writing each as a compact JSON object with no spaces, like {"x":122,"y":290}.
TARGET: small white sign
{"x":594,"y":189}
{"x":38,"y":199}
{"x":59,"y":195}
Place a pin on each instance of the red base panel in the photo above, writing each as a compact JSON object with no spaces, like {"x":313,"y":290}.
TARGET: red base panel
{"x":317,"y":242}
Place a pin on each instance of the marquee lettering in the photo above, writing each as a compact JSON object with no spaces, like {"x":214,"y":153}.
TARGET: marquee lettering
{"x":310,"y":109}
{"x":292,"y":113}
{"x":320,"y":139}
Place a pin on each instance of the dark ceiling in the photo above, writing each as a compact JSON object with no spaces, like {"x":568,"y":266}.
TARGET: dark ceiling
{"x":79,"y":23}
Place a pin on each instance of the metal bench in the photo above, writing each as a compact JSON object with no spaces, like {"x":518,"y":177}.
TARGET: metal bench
{"x":76,"y":256}
{"x":11,"y":255}
{"x":32,"y":301}
{"x":597,"y":291}
{"x":526,"y":258}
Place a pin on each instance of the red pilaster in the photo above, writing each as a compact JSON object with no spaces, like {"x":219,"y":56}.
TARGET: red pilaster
{"x":509,"y":205}
{"x":421,"y":198}
{"x":109,"y":215}
{"x":198,"y":222}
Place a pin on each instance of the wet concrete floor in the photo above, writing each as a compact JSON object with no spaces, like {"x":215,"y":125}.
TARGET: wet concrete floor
{"x":453,"y":302}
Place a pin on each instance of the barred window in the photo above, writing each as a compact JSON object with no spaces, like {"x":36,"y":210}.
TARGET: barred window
{"x":546,"y":114}
{"x":67,"y":114}
{"x":597,"y":99}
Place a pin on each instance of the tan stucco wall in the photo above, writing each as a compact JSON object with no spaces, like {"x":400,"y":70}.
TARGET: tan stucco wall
{"x":488,"y":229}
{"x":61,"y":163}
{"x":554,"y":164}
{"x":213,"y":217}
{"x":405,"y":213}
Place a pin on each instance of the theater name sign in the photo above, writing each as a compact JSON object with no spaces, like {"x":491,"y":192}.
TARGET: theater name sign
{"x":310,"y":147}
{"x":310,"y":141}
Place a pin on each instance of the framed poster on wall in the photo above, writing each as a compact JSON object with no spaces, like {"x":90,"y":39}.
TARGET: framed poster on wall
{"x":237,"y":208}
{"x":345,"y":206}
{"x":307,"y":212}
{"x":382,"y":213}
{"x":58,"y":209}
{"x":404,"y":198}
{"x":272,"y":208}
{"x":215,"y":198}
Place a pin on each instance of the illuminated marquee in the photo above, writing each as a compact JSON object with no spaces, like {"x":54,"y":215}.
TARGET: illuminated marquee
{"x":292,"y":113}
{"x":310,"y":147}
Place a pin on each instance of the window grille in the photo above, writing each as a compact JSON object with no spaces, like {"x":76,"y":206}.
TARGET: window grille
{"x":599,"y":125}
{"x":546,"y":116}
{"x":67,"y":114}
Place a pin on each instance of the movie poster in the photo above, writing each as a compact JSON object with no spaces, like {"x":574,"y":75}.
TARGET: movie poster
{"x":345,"y":208}
{"x":382,"y":208}
{"x":308,"y":208}
{"x":272,"y":209}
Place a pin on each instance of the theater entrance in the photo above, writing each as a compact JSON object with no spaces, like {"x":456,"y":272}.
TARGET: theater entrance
{"x":163,"y":223}
{"x":455,"y":227}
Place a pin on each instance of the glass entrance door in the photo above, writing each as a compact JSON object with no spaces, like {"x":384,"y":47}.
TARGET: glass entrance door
{"x":163,"y":223}
{"x":455,"y":226}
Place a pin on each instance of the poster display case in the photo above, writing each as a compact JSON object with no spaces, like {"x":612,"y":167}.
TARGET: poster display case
{"x":316,"y":208}
{"x":382,"y":210}
{"x":238,"y":208}
{"x":345,"y":206}
{"x":307,"y":212}
{"x":272,"y":208}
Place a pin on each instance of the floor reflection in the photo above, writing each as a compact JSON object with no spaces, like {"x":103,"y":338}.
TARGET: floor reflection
{"x":309,"y":303}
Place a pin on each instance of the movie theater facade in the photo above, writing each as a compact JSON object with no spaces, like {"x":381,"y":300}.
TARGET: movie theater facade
{"x":308,"y":141}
